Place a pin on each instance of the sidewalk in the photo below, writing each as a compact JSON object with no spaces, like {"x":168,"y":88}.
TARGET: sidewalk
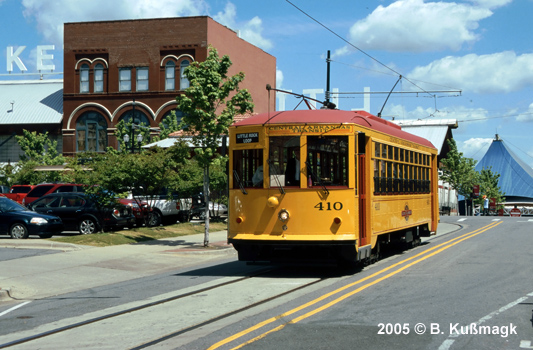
{"x":78,"y":267}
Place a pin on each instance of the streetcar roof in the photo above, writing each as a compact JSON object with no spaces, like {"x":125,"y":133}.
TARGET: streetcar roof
{"x":332,"y":116}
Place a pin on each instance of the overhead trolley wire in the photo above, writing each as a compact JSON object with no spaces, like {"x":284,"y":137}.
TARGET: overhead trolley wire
{"x":360,"y":50}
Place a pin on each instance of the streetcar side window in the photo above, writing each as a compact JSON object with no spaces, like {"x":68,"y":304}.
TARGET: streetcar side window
{"x":328,"y":160}
{"x":400,"y":171}
{"x":248,"y":168}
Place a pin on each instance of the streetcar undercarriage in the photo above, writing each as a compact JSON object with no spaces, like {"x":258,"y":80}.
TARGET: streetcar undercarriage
{"x":332,"y":252}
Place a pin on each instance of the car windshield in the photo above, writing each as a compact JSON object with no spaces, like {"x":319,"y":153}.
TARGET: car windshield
{"x":7,"y":205}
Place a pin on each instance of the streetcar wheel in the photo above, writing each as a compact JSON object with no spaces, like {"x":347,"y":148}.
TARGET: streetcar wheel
{"x":376,"y":253}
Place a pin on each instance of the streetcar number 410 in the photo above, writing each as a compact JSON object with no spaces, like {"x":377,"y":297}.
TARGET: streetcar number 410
{"x":329,"y":206}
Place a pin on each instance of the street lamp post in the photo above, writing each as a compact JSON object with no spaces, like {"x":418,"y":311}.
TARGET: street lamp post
{"x":132,"y":138}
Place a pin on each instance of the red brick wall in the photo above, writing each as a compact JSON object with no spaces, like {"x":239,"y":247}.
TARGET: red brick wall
{"x":143,"y":43}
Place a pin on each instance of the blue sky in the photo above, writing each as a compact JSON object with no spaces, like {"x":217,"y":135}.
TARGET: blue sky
{"x":482,"y":48}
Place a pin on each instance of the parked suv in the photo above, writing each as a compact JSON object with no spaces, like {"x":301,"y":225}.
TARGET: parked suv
{"x":44,"y":189}
{"x":78,"y":212}
{"x":18,"y":192}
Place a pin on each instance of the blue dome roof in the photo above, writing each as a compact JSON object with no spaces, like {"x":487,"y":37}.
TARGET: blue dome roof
{"x":516,"y":177}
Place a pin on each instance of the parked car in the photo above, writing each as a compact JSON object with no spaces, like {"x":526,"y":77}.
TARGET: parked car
{"x":215,"y":209}
{"x":44,"y":189}
{"x":19,"y":222}
{"x":80,"y":213}
{"x":143,"y":213}
{"x":4,"y":189}
{"x":18,"y":192}
{"x":170,"y":209}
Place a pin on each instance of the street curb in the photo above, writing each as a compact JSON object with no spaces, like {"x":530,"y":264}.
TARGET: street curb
{"x":214,"y":247}
{"x":4,"y":295}
{"x":66,"y":247}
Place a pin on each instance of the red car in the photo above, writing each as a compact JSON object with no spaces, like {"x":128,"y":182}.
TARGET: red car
{"x":143,"y":212}
{"x":44,"y":189}
{"x":18,"y":192}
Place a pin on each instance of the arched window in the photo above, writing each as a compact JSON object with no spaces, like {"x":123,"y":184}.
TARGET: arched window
{"x":170,"y":76}
{"x":91,"y":133}
{"x":139,"y":119}
{"x":99,"y":78}
{"x":184,"y":82}
{"x":84,"y":78}
{"x":179,"y":115}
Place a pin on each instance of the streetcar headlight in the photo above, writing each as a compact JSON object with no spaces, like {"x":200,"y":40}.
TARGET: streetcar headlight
{"x":283,"y":215}
{"x":273,"y":202}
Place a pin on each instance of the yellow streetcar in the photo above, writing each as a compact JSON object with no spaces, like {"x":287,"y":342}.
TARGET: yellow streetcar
{"x":327,"y":185}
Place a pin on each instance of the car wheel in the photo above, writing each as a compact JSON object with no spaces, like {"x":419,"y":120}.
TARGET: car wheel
{"x":87,"y":226}
{"x":154,"y":219}
{"x":18,"y":231}
{"x":184,"y":217}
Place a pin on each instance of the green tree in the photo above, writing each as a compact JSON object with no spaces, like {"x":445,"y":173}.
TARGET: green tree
{"x":145,"y":175}
{"x":167,"y":126}
{"x":7,"y":173}
{"x":128,"y":128}
{"x":39,"y":148}
{"x":218,"y":183}
{"x":488,"y":185}
{"x":459,"y":171}
{"x":209,"y":110}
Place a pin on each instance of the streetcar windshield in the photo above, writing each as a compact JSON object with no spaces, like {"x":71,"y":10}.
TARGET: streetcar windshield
{"x":328,"y":159}
{"x":284,"y":161}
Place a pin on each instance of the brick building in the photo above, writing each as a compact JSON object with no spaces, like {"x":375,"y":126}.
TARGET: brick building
{"x":116,"y":70}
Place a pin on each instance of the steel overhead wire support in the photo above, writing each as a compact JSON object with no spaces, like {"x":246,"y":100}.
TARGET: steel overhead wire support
{"x":384,"y":103}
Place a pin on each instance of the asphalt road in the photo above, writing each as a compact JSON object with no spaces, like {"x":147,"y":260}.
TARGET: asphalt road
{"x":469,"y":289}
{"x":480,"y":286}
{"x":13,"y":254}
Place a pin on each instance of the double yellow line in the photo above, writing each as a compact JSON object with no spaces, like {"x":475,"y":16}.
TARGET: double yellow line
{"x":408,"y":263}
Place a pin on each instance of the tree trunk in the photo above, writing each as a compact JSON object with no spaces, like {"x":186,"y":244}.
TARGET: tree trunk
{"x":206,"y":200}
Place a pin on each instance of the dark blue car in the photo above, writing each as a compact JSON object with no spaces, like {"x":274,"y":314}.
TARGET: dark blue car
{"x":19,"y":222}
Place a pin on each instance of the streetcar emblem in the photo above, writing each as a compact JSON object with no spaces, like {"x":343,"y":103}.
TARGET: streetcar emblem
{"x":407,"y":212}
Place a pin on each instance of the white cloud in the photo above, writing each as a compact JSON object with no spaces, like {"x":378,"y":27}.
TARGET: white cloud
{"x":227,"y":17}
{"x":491,"y":4}
{"x":526,"y":116}
{"x":51,"y":15}
{"x":474,"y":147}
{"x":459,"y":113}
{"x":501,"y":72}
{"x":417,"y":26}
{"x":250,"y":31}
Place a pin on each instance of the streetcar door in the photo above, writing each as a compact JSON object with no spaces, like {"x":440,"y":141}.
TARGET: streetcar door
{"x":364,"y":239}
